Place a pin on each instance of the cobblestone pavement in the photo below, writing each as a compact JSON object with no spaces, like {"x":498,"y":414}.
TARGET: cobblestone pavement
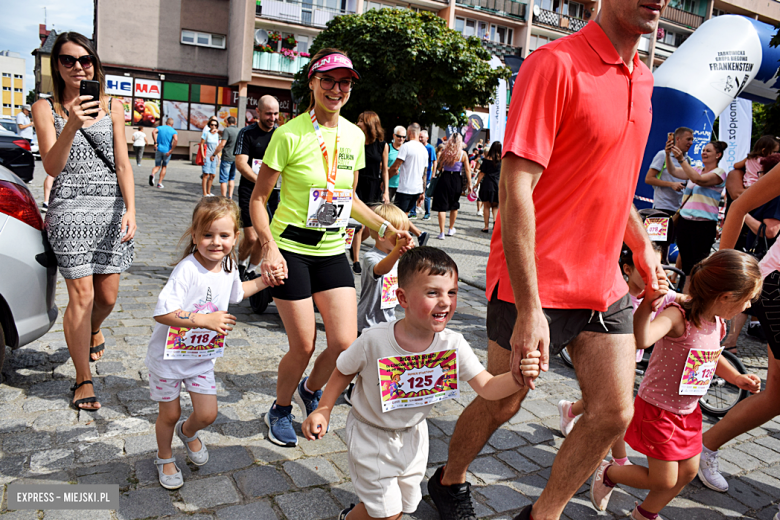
{"x":248,"y":477}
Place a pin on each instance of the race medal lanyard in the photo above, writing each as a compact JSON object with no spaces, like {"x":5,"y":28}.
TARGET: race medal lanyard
{"x":327,"y":213}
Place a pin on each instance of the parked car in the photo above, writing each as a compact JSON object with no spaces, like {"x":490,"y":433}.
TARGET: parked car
{"x":28,"y":267}
{"x":15,"y":153}
{"x":9,"y":123}
{"x":34,"y":147}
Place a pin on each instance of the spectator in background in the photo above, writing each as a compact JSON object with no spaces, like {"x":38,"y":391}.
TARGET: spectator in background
{"x":208,"y":146}
{"x":667,"y":188}
{"x":432,"y":161}
{"x":410,"y":165}
{"x":399,"y":137}
{"x":748,"y":170}
{"x":165,"y":140}
{"x":139,"y":143}
{"x":24,"y":123}
{"x":454,"y":162}
{"x":487,"y":180}
{"x":227,"y":168}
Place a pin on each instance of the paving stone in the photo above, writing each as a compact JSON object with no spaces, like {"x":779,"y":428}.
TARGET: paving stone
{"x":328,"y":444}
{"x":140,"y":444}
{"x":763,"y":454}
{"x":721,"y":502}
{"x":423,"y":512}
{"x":684,"y":509}
{"x":503,"y":498}
{"x":146,"y":471}
{"x":55,"y":419}
{"x":24,"y":442}
{"x":445,"y":423}
{"x":740,"y":459}
{"x":311,"y":472}
{"x":101,"y":451}
{"x":267,"y":451}
{"x":117,"y":473}
{"x":11,"y":468}
{"x":37,"y":404}
{"x":748,"y":495}
{"x":260,"y":481}
{"x":255,"y":511}
{"x":145,"y":503}
{"x":222,"y":460}
{"x":13,"y":425}
{"x":518,"y":462}
{"x":48,"y":461}
{"x":533,"y":432}
{"x":21,"y":515}
{"x":437,"y":451}
{"x":540,"y":408}
{"x":244,"y":430}
{"x":489,"y":470}
{"x":127,"y":426}
{"x":541,"y":454}
{"x":762,"y":481}
{"x":504,"y":439}
{"x":769,"y":442}
{"x":308,"y":505}
{"x":78,"y":514}
{"x":530,"y":485}
{"x":581,"y":508}
{"x":621,"y":503}
{"x":345,"y":494}
{"x":78,"y":433}
{"x":208,"y":493}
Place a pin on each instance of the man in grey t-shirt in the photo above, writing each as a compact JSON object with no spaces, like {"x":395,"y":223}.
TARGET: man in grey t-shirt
{"x":667,"y":189}
{"x":227,"y":168}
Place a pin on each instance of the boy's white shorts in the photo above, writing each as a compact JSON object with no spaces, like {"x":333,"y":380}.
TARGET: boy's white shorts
{"x":387,"y":467}
{"x":164,"y":389}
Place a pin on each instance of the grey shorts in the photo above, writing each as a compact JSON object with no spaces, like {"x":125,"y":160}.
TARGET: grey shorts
{"x":565,"y":324}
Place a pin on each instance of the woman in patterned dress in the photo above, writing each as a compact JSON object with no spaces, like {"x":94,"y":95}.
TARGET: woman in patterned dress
{"x":91,"y":218}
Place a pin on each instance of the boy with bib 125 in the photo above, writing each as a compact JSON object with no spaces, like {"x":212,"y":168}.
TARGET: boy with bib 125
{"x":403,"y":368}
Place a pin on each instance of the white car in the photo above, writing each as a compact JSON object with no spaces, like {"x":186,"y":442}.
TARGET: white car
{"x":34,"y":147}
{"x":29,"y":267}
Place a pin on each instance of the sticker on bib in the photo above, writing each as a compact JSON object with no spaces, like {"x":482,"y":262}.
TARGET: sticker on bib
{"x":389,"y":288}
{"x":698,"y":371}
{"x":184,"y":343}
{"x":418,"y":379}
{"x":256,"y":164}
{"x":342,"y":200}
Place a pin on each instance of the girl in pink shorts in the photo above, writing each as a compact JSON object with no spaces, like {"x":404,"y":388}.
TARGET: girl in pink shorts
{"x":667,"y":423}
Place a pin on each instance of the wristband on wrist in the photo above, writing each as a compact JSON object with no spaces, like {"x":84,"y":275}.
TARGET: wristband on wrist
{"x":267,"y":242}
{"x":382,"y":229}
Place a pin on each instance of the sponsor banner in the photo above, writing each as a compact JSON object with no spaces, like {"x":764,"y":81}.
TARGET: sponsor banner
{"x":735,"y":129}
{"x":497,"y":109}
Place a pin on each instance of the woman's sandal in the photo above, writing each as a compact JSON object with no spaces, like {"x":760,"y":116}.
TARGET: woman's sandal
{"x":97,"y":349}
{"x":75,"y":404}
{"x":486,"y":230}
{"x":200,"y":457}
{"x":174,"y":481}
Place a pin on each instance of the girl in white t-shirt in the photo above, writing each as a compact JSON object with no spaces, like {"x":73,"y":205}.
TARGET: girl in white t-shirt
{"x":191,"y":308}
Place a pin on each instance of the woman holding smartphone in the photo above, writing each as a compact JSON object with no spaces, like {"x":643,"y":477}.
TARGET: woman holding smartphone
{"x":91,"y":219}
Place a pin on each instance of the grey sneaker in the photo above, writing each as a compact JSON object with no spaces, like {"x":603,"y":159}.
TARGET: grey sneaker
{"x":174,"y":481}
{"x":200,"y":457}
{"x":599,"y":491}
{"x":708,"y":471}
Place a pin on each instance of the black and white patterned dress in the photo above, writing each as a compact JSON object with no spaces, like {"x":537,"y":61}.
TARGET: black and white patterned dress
{"x":86,"y":207}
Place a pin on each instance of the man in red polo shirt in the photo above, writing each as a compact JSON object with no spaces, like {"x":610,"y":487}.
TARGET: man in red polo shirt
{"x":576,"y":132}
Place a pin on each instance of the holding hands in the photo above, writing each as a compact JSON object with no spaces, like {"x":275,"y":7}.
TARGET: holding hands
{"x":316,"y":424}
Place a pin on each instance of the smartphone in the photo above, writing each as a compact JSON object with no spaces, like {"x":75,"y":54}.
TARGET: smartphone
{"x":670,"y":136}
{"x":90,"y":88}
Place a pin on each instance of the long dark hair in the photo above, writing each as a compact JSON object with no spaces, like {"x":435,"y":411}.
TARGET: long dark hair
{"x":59,"y":84}
{"x":494,"y":154}
{"x":764,"y":146}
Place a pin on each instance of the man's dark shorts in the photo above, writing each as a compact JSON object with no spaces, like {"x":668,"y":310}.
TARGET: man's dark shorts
{"x":406,"y":202}
{"x":766,"y":310}
{"x":565,"y":324}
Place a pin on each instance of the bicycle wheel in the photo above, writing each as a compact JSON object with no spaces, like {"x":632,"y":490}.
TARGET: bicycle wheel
{"x":566,"y":358}
{"x":723,"y":396}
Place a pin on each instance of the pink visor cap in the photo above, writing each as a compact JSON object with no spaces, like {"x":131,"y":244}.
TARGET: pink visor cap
{"x":332,"y":62}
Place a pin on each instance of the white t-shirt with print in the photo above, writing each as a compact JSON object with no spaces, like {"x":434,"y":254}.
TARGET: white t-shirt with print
{"x":379,"y":342}
{"x":190,"y":288}
{"x":410,"y":173}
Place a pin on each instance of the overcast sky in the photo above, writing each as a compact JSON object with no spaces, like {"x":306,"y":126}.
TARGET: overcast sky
{"x":19,"y":31}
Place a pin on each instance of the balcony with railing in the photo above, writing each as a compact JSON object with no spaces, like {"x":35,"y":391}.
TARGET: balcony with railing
{"x":298,"y":12}
{"x":559,"y":21}
{"x":277,"y":63}
{"x":681,"y":17}
{"x":500,"y":49}
{"x":505,"y":8}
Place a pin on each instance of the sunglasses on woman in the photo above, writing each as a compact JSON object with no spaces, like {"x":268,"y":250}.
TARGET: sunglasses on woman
{"x":68,"y":61}
{"x":213,"y":124}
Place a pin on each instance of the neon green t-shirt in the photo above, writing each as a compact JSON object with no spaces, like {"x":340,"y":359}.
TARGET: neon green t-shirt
{"x":295,"y":152}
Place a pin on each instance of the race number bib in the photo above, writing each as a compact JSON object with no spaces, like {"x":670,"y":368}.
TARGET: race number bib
{"x":184,"y":343}
{"x":698,"y":371}
{"x":342,"y":200}
{"x":418,"y":379}
{"x":657,"y":228}
{"x":389,"y":287}
{"x":256,"y":164}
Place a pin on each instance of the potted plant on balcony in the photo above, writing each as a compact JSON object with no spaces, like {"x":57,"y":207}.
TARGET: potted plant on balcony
{"x":288,"y":60}
{"x":289,"y":42}
{"x":262,"y":56}
{"x":274,"y":37}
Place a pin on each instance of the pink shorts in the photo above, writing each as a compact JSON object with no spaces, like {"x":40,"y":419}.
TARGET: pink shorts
{"x":163,"y":389}
{"x":664,"y":435}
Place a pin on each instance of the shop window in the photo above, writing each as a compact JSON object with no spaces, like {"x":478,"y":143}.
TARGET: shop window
{"x":203,"y":94}
{"x":176,"y":91}
{"x":202,"y":39}
{"x":227,"y":96}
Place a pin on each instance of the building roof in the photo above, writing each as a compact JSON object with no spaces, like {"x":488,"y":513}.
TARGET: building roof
{"x":47,"y":45}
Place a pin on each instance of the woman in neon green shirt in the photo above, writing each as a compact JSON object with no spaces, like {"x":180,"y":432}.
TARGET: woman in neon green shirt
{"x":307,"y":235}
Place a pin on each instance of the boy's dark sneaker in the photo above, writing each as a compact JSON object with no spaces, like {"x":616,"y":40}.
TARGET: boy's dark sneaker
{"x":454,"y":501}
{"x":525,"y":514}
{"x":307,"y":401}
{"x":280,"y":427}
{"x":423,"y":238}
{"x":345,"y":512}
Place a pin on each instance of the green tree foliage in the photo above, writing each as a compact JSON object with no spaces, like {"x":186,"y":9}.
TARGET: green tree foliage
{"x":413,"y":67}
{"x":30,"y":97}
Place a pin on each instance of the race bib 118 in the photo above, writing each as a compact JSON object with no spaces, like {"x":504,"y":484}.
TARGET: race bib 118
{"x":184,"y":343}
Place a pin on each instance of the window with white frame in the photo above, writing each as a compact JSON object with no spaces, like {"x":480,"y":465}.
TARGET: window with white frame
{"x":367,"y":6}
{"x":7,"y":88}
{"x":718,"y":12}
{"x":6,"y":74}
{"x":501,"y":34}
{"x":17,"y":90}
{"x":216,"y":41}
{"x":537,"y":41}
{"x":6,"y":105}
{"x":495,"y":33}
{"x":565,"y":7}
{"x":18,"y":76}
{"x":303,"y":43}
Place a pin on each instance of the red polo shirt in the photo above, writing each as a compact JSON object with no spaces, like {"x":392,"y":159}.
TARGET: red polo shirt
{"x":580,"y":113}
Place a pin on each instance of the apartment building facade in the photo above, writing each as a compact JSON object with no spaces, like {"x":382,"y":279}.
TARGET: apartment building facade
{"x":190,"y":59}
{"x":12,"y":69}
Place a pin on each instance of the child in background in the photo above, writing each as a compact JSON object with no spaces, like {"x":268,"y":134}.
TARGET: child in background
{"x":751,"y":165}
{"x":379,"y":278}
{"x":571,"y":412}
{"x":387,"y":439}
{"x":667,"y":423}
{"x":196,"y":296}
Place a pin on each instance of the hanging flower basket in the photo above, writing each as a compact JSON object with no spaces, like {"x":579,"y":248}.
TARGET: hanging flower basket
{"x":291,"y":41}
{"x":274,"y":37}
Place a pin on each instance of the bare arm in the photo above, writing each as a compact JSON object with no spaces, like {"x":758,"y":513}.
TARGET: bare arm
{"x":385,"y":265}
{"x":394,"y":168}
{"x":645,"y":258}
{"x":702,"y":179}
{"x":726,"y":370}
{"x":220,"y":146}
{"x":493,"y":388}
{"x":174,"y":142}
{"x":316,"y":424}
{"x":385,"y":176}
{"x":124,"y":172}
{"x":669,"y":322}
{"x":772,"y":225}
{"x":467,"y":167}
{"x":764,"y":190}
{"x":367,"y":217}
{"x":651,"y":179}
{"x":531,"y":332}
{"x":242,"y":165}
{"x":735,"y":183}
{"x":219,"y":321}
{"x":273,"y":259}
{"x":154,"y":137}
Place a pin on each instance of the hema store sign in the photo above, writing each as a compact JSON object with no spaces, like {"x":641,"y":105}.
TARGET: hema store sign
{"x":119,"y":85}
{"x":147,"y":88}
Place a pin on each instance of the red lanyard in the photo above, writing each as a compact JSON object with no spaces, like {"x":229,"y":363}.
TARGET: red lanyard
{"x":332,"y":174}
